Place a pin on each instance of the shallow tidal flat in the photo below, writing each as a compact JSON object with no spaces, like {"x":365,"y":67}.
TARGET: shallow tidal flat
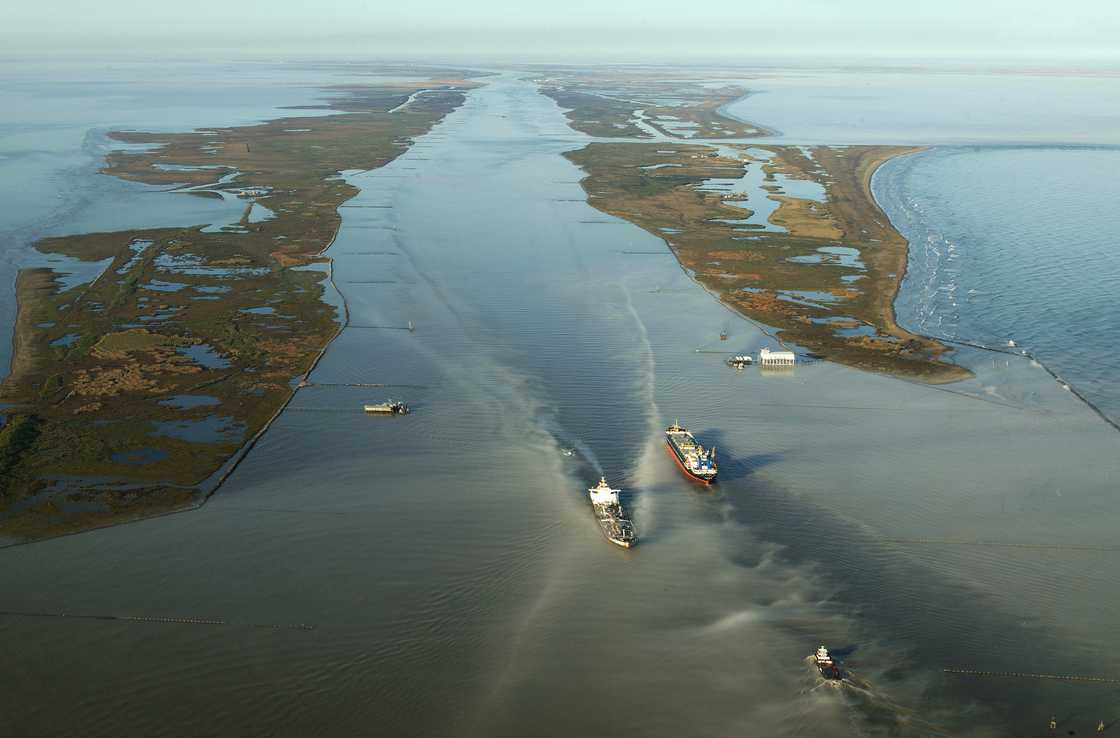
{"x":822,"y":268}
{"x":130,"y":390}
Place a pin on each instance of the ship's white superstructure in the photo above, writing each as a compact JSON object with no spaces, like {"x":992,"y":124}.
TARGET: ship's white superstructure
{"x":828,"y":668}
{"x":603,"y":494}
{"x":618,"y":528}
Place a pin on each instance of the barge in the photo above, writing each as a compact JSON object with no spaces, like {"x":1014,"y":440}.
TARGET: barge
{"x":389,"y":407}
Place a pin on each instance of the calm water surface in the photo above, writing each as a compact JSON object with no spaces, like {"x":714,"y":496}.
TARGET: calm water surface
{"x":450,"y":564}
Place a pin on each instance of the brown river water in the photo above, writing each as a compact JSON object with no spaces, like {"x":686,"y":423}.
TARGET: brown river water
{"x":448,"y":569}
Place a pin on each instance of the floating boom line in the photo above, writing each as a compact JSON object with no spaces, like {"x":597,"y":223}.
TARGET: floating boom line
{"x":153,"y":619}
{"x":1028,"y":675}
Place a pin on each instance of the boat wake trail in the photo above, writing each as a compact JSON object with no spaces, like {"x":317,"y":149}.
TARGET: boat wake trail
{"x":653,"y":413}
{"x":585,"y":452}
{"x":644,"y":474}
{"x":872,"y":711}
{"x":568,"y":444}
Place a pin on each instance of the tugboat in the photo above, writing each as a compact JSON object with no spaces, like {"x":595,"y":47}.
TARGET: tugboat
{"x":825,"y":664}
{"x":618,"y":528}
{"x":693,"y":459}
{"x":389,"y":407}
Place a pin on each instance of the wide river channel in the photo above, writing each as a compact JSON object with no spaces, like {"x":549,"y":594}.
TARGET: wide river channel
{"x":446,"y":565}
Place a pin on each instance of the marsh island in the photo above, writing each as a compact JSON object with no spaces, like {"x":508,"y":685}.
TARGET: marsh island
{"x":823,"y":264}
{"x":789,"y":236}
{"x":130,"y":391}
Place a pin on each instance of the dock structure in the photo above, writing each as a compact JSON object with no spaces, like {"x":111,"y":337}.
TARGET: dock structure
{"x":768,"y":358}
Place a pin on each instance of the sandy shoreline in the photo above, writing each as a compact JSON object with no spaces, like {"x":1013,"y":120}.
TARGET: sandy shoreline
{"x":902,"y":260}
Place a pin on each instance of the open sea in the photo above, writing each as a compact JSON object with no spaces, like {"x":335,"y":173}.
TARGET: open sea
{"x":1015,"y":244}
{"x":446,"y":566}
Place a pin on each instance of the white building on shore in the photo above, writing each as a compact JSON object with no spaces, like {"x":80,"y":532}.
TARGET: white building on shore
{"x":768,"y":358}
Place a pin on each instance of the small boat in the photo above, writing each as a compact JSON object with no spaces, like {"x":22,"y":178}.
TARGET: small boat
{"x":1010,"y":343}
{"x":825,"y":664}
{"x":740,"y":360}
{"x":618,"y":528}
{"x":389,"y":407}
{"x":567,"y":451}
{"x":723,"y":335}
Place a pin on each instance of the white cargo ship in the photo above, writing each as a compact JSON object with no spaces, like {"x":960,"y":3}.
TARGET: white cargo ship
{"x":618,"y":528}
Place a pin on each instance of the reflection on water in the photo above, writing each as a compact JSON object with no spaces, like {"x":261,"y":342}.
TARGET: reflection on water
{"x":450,"y":564}
{"x":756,"y":191}
{"x":68,"y":340}
{"x":205,"y":355}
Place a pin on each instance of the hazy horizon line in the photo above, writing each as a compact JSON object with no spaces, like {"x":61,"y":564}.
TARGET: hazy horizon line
{"x":1054,"y":61}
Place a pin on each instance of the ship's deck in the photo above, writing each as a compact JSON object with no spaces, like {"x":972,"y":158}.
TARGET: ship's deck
{"x":682,"y":440}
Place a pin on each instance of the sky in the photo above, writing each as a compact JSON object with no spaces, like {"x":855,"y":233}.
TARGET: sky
{"x":565,"y":30}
